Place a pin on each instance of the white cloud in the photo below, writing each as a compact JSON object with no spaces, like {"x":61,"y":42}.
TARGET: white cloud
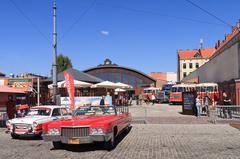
{"x":105,"y":33}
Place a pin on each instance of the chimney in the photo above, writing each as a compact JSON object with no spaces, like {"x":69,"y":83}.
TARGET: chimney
{"x":218,"y":43}
{"x":216,"y":46}
{"x":225,"y":36}
{"x":238,"y":23}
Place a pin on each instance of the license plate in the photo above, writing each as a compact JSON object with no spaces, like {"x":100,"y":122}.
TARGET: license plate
{"x":74,"y":141}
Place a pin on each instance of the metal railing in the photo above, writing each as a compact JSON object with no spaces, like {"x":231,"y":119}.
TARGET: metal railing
{"x":122,"y":109}
{"x":225,"y":113}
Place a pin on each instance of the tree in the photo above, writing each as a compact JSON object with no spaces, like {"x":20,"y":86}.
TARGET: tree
{"x":63,"y":63}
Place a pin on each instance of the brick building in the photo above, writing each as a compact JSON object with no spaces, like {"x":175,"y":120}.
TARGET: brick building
{"x":190,"y":60}
{"x":223,"y":67}
{"x":163,"y":78}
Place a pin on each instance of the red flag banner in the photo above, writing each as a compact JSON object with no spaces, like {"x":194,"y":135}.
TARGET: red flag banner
{"x":70,"y":88}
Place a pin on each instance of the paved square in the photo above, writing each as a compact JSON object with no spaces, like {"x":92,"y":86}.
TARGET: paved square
{"x":145,"y":141}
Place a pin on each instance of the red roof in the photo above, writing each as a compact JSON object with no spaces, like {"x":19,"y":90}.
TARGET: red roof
{"x":6,"y":89}
{"x":229,"y":37}
{"x":191,"y":54}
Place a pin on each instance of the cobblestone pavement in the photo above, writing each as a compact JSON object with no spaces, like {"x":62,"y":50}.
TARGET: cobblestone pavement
{"x":163,"y":114}
{"x":145,"y":141}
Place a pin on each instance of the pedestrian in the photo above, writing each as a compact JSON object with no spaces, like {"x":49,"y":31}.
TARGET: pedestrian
{"x":207,"y":102}
{"x":140,"y":99}
{"x":198,"y":106}
{"x":153,"y":99}
{"x":226,"y":102}
{"x":102,"y":101}
{"x":137,"y":99}
{"x":11,"y":107}
{"x":130,"y":100}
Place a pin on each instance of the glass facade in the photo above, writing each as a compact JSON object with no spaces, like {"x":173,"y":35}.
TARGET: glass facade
{"x":123,"y":75}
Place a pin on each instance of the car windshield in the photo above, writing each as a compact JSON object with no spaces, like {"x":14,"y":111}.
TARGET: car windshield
{"x":95,"y":110}
{"x":39,"y":111}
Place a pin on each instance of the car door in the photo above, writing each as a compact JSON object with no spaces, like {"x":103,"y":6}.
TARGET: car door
{"x":56,"y":114}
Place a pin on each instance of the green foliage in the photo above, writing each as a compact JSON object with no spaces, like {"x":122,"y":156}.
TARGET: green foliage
{"x":63,"y":63}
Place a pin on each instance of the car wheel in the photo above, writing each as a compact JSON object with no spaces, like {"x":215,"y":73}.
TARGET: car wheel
{"x":58,"y":145}
{"x":15,"y":136}
{"x":110,"y":145}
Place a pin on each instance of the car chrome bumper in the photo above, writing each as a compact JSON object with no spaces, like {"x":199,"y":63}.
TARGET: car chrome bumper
{"x":83,"y":140}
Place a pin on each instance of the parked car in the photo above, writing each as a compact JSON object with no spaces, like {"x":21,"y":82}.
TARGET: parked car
{"x":31,"y":124}
{"x":89,"y":125}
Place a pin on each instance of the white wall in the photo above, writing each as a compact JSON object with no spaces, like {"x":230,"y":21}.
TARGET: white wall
{"x":223,"y":67}
{"x":172,"y":77}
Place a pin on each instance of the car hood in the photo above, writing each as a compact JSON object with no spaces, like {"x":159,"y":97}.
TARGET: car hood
{"x":84,"y":120}
{"x":29,"y":119}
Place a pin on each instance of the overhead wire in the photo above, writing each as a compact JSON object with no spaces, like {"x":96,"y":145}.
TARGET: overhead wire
{"x":156,"y":13}
{"x":29,"y":20}
{"x":78,"y":19}
{"x":209,"y":13}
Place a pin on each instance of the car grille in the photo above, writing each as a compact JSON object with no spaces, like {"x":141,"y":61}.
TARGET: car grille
{"x":21,"y":126}
{"x":75,"y":131}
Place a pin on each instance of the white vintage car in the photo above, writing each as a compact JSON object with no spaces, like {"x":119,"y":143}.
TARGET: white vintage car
{"x":31,"y":124}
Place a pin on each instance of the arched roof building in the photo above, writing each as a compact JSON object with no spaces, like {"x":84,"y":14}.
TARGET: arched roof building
{"x":115,"y":73}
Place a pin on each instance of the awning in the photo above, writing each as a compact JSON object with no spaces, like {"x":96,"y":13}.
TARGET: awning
{"x":6,"y":89}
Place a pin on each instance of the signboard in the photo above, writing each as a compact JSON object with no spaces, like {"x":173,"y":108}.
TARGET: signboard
{"x":188,"y":102}
{"x":70,"y":88}
{"x":23,"y":84}
{"x":86,"y":101}
{"x":2,"y":82}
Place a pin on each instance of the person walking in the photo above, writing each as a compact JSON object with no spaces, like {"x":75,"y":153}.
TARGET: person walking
{"x":140,"y":99}
{"x":207,"y":102}
{"x":226,"y":102}
{"x":137,"y":100}
{"x":198,"y":106}
{"x":153,"y":99}
{"x":102,"y":101}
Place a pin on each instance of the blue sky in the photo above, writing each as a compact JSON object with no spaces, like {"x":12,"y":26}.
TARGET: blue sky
{"x":145,"y":40}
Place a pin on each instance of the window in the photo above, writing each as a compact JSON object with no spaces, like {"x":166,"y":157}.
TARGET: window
{"x":56,"y":112}
{"x":190,"y":65}
{"x":184,"y":65}
{"x":184,"y":74}
{"x":197,"y":65}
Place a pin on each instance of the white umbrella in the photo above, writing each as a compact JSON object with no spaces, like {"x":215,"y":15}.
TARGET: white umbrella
{"x":77,"y":84}
{"x":106,"y":84}
{"x":123,"y":85}
{"x":119,"y":90}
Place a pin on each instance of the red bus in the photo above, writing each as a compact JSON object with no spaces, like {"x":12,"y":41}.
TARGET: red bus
{"x":147,"y":93}
{"x":208,"y":88}
{"x":176,"y":92}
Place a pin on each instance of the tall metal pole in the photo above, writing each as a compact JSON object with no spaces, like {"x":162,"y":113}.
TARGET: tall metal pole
{"x":38,"y":91}
{"x":54,"y":52}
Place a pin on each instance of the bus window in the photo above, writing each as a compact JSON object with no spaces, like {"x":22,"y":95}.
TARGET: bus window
{"x":174,"y":89}
{"x":180,"y":89}
{"x":209,"y":89}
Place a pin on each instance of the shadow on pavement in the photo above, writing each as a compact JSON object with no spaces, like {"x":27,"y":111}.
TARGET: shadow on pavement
{"x":95,"y":146}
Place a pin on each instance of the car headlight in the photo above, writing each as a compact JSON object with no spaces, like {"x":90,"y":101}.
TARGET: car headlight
{"x":8,"y":123}
{"x":35,"y":124}
{"x":53,"y":131}
{"x":97,"y":131}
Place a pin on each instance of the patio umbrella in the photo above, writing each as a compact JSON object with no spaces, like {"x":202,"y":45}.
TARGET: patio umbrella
{"x":106,"y":84}
{"x":77,"y":84}
{"x":119,"y":90}
{"x":123,"y":85}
